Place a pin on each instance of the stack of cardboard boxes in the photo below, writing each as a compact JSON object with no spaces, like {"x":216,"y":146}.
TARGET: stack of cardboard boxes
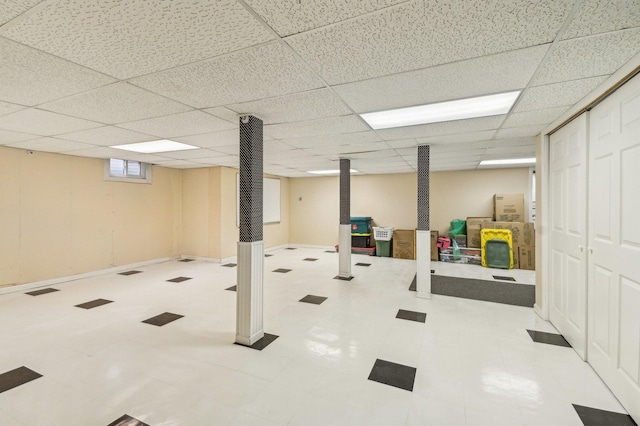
{"x":508,"y":210}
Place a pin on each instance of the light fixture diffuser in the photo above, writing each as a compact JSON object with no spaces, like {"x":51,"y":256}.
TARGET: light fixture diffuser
{"x":329,"y":172}
{"x":507,"y":162}
{"x":153,"y":147}
{"x":481,"y":106}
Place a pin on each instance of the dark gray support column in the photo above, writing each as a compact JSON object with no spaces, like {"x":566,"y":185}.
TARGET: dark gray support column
{"x":344,"y":268}
{"x":249,"y":301}
{"x":423,"y":235}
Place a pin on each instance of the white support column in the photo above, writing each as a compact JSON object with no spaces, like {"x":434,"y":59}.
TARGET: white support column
{"x":344,"y":268}
{"x":249,"y":313}
{"x":249,"y":300}
{"x":423,"y":237}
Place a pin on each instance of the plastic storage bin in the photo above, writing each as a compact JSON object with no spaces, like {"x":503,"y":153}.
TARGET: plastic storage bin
{"x":360,"y":225}
{"x":361,"y":240}
{"x":383,"y":248}
{"x":382,"y":234}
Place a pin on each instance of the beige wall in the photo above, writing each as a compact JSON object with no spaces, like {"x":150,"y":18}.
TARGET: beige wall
{"x":59,"y":217}
{"x":210,"y":219}
{"x":390,"y":199}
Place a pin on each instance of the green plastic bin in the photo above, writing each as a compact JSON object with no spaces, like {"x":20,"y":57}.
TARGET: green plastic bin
{"x":383,"y":248}
{"x":498,"y":254}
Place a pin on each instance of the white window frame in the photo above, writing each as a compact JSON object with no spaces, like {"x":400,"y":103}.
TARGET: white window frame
{"x":145,"y":171}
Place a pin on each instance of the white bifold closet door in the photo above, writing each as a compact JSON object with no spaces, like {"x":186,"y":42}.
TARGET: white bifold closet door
{"x":568,"y":233}
{"x":614,"y":243}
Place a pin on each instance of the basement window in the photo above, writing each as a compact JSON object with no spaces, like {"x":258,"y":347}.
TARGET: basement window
{"x":127,"y":171}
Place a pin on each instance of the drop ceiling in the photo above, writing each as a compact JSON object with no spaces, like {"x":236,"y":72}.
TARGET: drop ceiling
{"x":77,"y":77}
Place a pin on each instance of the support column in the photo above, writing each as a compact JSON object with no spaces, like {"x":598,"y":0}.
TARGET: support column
{"x":249,"y":301}
{"x":423,"y":237}
{"x":344,"y":270}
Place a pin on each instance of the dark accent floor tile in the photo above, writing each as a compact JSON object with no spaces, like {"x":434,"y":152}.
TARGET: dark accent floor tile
{"x":310,"y":259}
{"x":596,"y":417}
{"x":291,"y":248}
{"x":489,"y":291}
{"x":330,"y":251}
{"x":433,"y":271}
{"x":500,"y":277}
{"x":230,"y":265}
{"x":548,"y":338}
{"x":338,"y":277}
{"x":130,"y":273}
{"x":43,"y":291}
{"x":186,"y":260}
{"x":163,"y":319}
{"x":232,"y":288}
{"x":14,"y":378}
{"x":94,"y":303}
{"x":392,"y":374}
{"x":282,"y":270}
{"x":127,"y":420}
{"x":414,"y":283}
{"x":263,"y":343}
{"x":411,"y":315}
{"x":363,"y":264}
{"x":178,"y":279}
{"x":268,"y":255}
{"x":316,"y":300}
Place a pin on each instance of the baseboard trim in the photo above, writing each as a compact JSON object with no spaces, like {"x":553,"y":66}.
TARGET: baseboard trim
{"x":539,"y":311}
{"x":59,"y":280}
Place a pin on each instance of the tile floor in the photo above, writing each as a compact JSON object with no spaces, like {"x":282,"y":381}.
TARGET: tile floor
{"x":474,"y":362}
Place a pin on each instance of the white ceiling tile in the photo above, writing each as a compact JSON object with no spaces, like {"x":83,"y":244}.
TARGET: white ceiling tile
{"x":30,"y":77}
{"x":441,"y":129}
{"x":116,"y":103}
{"x":530,"y":118}
{"x":565,"y":93}
{"x":182,"y":124}
{"x":457,"y":138}
{"x":343,"y":149}
{"x":224,"y":113}
{"x":323,"y":126}
{"x":501,"y":72}
{"x":123,"y":38}
{"x":7,"y":137}
{"x":50,"y":145}
{"x":530,"y":141}
{"x":210,"y":140}
{"x":383,"y":155}
{"x":495,"y":152}
{"x":191,"y":154}
{"x":403,"y":143}
{"x":263,"y":71}
{"x":7,"y":108}
{"x":274,"y":146}
{"x":13,"y":8}
{"x":333,"y":140}
{"x":227,"y":149}
{"x":314,"y":104}
{"x":589,"y":57}
{"x":217,"y":159}
{"x":291,"y":154}
{"x":291,"y":17}
{"x":459,"y":147}
{"x":601,"y":16}
{"x":43,"y":123}
{"x":421,"y":34}
{"x":98,"y":152}
{"x":107,"y":135}
{"x":519,"y":132}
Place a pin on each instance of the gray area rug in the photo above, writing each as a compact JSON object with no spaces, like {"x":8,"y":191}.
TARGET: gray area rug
{"x":488,"y":291}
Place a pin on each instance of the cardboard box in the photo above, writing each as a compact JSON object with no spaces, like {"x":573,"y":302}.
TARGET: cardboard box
{"x":527,"y":258}
{"x":434,"y":247}
{"x":508,"y":207}
{"x":516,"y":257}
{"x":522,"y":234}
{"x":474,"y":225}
{"x":404,"y":243}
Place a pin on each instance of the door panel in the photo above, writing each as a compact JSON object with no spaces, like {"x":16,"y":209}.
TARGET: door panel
{"x":568,"y":180}
{"x":614,"y":244}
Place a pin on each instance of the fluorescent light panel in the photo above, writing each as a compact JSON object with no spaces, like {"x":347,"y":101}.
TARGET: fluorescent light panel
{"x":481,"y":106}
{"x":152,"y":147}
{"x":329,"y":172}
{"x":508,"y":162}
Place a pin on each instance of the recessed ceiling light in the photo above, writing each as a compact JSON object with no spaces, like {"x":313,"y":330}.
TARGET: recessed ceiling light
{"x":481,"y":106}
{"x":508,"y":162}
{"x":153,"y":147}
{"x":329,"y":172}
